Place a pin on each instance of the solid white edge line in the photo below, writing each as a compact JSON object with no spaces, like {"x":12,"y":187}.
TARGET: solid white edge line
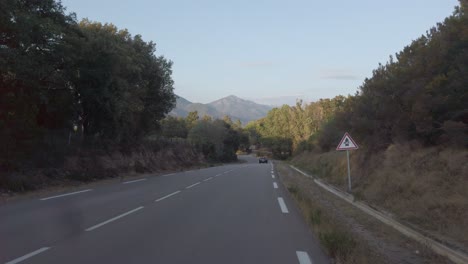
{"x":210,"y":178}
{"x":66,"y":194}
{"x":29,"y":255}
{"x":193,"y":185}
{"x":303,"y":257}
{"x":275,"y":185}
{"x":282,"y":205}
{"x":167,"y":196}
{"x":113,"y":219}
{"x":165,"y":175}
{"x":139,"y":180}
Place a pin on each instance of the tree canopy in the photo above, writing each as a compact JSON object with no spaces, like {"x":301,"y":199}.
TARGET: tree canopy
{"x":57,"y":75}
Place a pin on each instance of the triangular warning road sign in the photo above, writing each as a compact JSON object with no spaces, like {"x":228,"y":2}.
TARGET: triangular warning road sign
{"x":347,"y":143}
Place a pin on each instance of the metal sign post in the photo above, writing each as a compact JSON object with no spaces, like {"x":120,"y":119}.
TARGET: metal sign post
{"x":347,"y":143}
{"x":349,"y":172}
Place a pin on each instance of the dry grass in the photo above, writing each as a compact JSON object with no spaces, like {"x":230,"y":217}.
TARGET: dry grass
{"x":426,"y":188}
{"x":346,"y":233}
{"x":90,"y":166}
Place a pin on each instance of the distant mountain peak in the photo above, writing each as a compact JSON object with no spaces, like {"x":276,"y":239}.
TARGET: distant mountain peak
{"x":233,"y":106}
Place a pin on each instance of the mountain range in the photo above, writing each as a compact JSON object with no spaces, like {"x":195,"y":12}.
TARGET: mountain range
{"x":232,"y":106}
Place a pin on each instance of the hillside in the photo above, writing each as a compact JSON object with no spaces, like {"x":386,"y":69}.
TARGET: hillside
{"x":410,"y":120}
{"x":232,"y":106}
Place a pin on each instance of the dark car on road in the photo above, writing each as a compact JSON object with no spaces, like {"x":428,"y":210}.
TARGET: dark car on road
{"x":263,"y":160}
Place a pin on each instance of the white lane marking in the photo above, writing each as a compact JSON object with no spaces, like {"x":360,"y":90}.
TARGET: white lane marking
{"x":282,"y":205}
{"x":32,"y":254}
{"x":217,"y":175}
{"x":168,"y":174}
{"x":193,"y":185}
{"x":66,"y":194}
{"x":272,"y":172}
{"x":303,"y":257}
{"x":210,"y":178}
{"x":139,"y":180}
{"x":167,"y":196}
{"x":275,"y":185}
{"x":273,"y":176}
{"x":113,"y":219}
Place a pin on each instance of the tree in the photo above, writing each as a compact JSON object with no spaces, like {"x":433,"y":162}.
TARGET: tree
{"x":192,"y":119}
{"x":34,"y":91}
{"x":124,"y":88}
{"x":172,"y":127}
{"x":215,"y":139}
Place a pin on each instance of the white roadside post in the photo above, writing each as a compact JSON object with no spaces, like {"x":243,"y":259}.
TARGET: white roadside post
{"x":347,"y":143}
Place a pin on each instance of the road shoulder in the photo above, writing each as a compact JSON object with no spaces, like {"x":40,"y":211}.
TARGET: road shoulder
{"x":349,"y":235}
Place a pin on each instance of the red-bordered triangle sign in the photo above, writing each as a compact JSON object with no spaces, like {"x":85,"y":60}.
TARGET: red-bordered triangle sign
{"x":347,"y":143}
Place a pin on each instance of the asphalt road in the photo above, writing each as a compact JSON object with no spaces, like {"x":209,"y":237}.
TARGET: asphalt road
{"x":238,"y":213}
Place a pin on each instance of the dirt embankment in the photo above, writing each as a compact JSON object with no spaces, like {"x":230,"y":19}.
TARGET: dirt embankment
{"x":348,"y":234}
{"x":425,"y":188}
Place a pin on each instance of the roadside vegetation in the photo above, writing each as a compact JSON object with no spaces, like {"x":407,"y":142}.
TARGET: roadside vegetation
{"x":347,"y":234}
{"x":82,"y":100}
{"x":410,"y":120}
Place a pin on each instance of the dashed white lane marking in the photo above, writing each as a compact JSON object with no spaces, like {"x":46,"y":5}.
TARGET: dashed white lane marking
{"x":282,"y":205}
{"x":167,"y":196}
{"x":193,"y":185}
{"x":66,"y":194}
{"x":217,"y":175}
{"x":275,"y":185}
{"x":113,"y":219}
{"x":168,"y":174}
{"x":273,"y":176}
{"x":272,"y":172}
{"x":303,"y":257}
{"x":29,"y":255}
{"x":139,"y":180}
{"x":210,"y":178}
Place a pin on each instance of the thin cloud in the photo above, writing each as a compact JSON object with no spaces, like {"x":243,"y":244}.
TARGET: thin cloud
{"x":338,"y":75}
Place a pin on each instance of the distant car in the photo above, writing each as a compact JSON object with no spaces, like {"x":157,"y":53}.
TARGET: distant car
{"x":262,"y":160}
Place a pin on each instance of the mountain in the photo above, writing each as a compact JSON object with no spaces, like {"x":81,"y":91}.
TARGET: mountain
{"x":242,"y":109}
{"x":233,"y":106}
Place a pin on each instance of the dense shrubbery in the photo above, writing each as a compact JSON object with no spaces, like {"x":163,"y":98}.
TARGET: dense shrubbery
{"x":217,"y":139}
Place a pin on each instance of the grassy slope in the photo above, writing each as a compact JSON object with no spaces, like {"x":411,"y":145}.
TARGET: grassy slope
{"x":425,"y":187}
{"x":346,"y":233}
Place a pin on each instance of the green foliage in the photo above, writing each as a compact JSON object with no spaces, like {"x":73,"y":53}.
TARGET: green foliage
{"x":34,"y":94}
{"x":288,"y":129}
{"x":419,"y":96}
{"x":315,"y":216}
{"x":124,"y":89}
{"x":192,"y":119}
{"x":215,"y":139}
{"x":172,"y":127}
{"x":57,"y":74}
{"x":337,"y":243}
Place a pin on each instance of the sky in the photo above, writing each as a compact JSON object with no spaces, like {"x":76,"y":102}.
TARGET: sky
{"x":272,"y":52}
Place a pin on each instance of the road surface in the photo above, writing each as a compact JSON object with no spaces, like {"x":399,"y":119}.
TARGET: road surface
{"x":237,"y":213}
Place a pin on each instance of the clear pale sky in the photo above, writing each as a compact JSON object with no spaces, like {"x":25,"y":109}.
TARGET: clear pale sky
{"x":271,"y":51}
